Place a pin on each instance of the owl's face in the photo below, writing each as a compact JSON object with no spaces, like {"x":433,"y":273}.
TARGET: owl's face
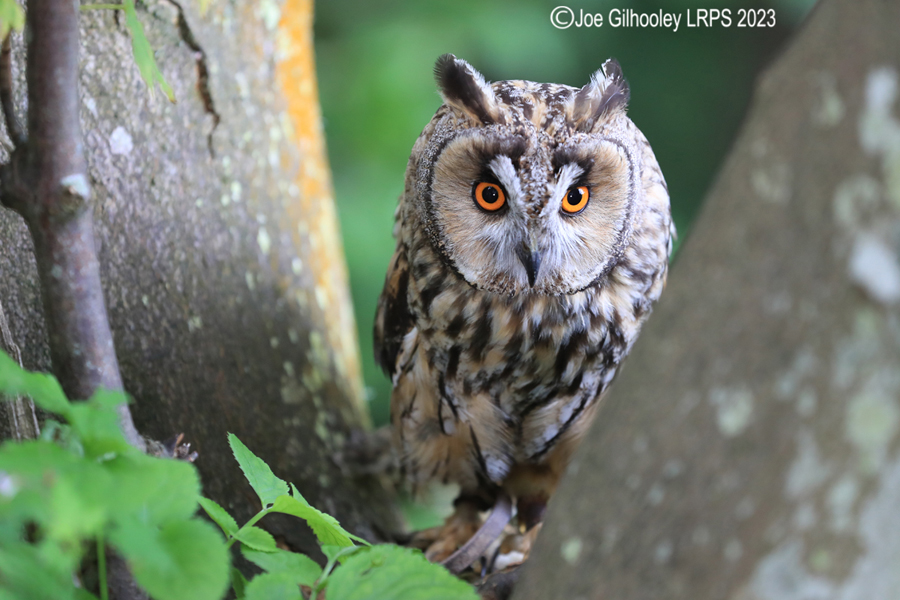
{"x":525,"y":187}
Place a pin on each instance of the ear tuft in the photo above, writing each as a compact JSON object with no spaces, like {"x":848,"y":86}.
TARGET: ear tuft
{"x":607,"y":92}
{"x":465,"y":90}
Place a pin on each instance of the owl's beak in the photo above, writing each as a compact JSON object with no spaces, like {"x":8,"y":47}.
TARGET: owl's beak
{"x":531,"y":259}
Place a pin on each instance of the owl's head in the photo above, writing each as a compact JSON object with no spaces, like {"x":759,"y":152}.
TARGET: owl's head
{"x":526,"y":187}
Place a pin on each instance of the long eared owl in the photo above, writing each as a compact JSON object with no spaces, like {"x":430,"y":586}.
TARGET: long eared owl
{"x":533,"y":238}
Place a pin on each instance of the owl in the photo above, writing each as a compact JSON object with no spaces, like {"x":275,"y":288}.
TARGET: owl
{"x":533,"y":237}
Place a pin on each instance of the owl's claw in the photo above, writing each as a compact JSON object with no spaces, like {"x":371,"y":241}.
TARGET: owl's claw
{"x":486,"y":535}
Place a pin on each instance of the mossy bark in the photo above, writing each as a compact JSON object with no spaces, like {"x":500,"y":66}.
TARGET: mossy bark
{"x":751,"y":448}
{"x":220,"y":257}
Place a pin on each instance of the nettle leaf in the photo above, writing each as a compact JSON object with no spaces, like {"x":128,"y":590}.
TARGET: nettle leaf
{"x":44,"y":389}
{"x":256,"y":538}
{"x":238,"y":583}
{"x":28,"y":574}
{"x":67,"y":495}
{"x":261,"y":478}
{"x":140,"y":543}
{"x":273,"y":586}
{"x":97,"y":424}
{"x":79,"y":502}
{"x":62,"y":435}
{"x":143,"y":53}
{"x":34,"y":459}
{"x":157,"y":489}
{"x":220,"y":516}
{"x":387,"y":572}
{"x":326,"y":527}
{"x":303,"y":569}
{"x":200,"y":560}
{"x":11,"y":17}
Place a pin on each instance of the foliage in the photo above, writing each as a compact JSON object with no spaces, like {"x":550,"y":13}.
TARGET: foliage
{"x":11,"y":17}
{"x":381,"y":572}
{"x":143,"y":53}
{"x":82,"y":483}
{"x":140,"y":47}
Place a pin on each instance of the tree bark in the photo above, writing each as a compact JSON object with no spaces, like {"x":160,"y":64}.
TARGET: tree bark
{"x":219,"y":251}
{"x":751,"y":448}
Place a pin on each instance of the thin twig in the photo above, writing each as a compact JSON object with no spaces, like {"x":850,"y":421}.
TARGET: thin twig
{"x":47,"y":183}
{"x":6,"y":95}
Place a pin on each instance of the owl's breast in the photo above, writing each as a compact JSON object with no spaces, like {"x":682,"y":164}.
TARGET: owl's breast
{"x":527,"y":354}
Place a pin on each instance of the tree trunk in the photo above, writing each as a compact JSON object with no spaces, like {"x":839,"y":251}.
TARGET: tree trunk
{"x":751,"y":448}
{"x":219,"y":251}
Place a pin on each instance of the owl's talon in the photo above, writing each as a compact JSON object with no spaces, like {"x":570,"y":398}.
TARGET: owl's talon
{"x":482,"y":539}
{"x":515,"y":549}
{"x":456,"y":530}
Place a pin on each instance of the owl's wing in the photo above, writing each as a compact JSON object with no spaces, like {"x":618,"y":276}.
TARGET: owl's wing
{"x":393,"y":319}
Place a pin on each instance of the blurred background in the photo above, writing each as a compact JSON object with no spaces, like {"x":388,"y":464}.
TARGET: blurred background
{"x":689,"y":92}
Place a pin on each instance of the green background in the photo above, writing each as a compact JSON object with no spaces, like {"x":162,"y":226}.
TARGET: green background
{"x":689,"y":92}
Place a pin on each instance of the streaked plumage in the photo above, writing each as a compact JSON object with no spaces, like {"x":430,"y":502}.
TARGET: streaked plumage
{"x":496,"y":379}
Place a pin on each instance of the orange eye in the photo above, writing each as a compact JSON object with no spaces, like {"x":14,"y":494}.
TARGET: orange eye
{"x":576,"y":199}
{"x":489,"y":196}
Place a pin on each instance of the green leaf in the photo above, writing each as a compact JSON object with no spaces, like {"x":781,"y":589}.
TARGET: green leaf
{"x":256,"y":538}
{"x":262,"y":480}
{"x":326,"y":527}
{"x":33,"y":459}
{"x":29,"y":573}
{"x":140,"y":542}
{"x":201,"y":565}
{"x":157,"y":489}
{"x":387,"y":572}
{"x":273,"y":586}
{"x":62,"y":435}
{"x":143,"y":53}
{"x":44,"y":389}
{"x":238,"y":583}
{"x":97,"y":424}
{"x":303,"y":569}
{"x":79,"y":502}
{"x":67,"y":496}
{"x":11,"y":17}
{"x":220,"y":516}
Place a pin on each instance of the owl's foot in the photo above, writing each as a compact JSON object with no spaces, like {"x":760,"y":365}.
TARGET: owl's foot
{"x":440,"y":542}
{"x":464,"y":539}
{"x":515,"y":549}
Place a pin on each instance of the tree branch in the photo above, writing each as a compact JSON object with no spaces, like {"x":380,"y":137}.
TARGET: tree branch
{"x":46,"y":182}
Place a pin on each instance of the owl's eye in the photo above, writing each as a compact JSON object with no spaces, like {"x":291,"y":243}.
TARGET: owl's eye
{"x":489,"y":196}
{"x":576,"y":199}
